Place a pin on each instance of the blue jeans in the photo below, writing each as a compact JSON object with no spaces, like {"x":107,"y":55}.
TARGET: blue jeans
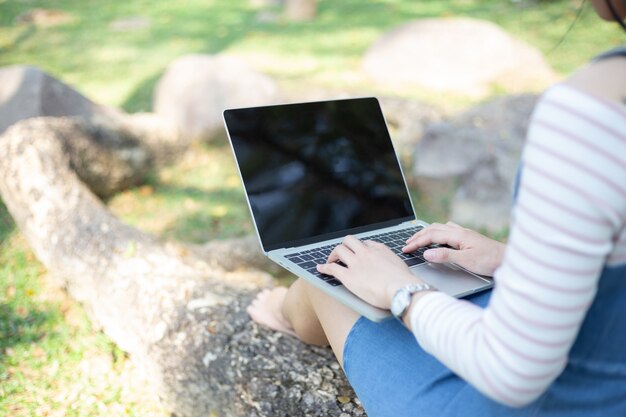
{"x":393,"y":376}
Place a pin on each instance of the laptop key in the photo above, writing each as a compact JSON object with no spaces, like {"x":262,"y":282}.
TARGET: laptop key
{"x":414,"y":261}
{"x":307,"y":264}
{"x":326,"y":278}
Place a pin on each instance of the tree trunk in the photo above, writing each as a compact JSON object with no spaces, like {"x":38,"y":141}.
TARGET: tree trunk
{"x":300,"y":10}
{"x":178,"y":311}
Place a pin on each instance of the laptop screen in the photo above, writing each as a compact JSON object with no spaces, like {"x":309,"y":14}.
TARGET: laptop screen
{"x":316,"y":171}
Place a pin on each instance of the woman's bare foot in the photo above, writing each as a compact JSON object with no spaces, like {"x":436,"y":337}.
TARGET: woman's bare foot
{"x":266,"y":309}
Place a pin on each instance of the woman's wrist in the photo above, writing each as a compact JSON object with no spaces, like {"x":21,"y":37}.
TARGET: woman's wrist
{"x":392,"y":288}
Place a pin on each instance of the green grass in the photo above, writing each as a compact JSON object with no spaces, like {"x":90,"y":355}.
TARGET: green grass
{"x":121,"y":67}
{"x":52,"y":361}
{"x":197,"y":200}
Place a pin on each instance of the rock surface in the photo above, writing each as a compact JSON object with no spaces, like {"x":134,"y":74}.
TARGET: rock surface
{"x":300,"y":10}
{"x":145,"y":139}
{"x":477,"y":151}
{"x":457,"y":55}
{"x":195,"y":89}
{"x":407,"y":120}
{"x":27,"y":91}
{"x":180,"y":317}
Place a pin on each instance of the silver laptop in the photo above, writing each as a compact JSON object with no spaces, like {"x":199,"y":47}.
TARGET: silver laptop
{"x":316,"y":172}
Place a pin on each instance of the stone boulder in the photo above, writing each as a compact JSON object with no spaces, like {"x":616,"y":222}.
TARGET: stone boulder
{"x":407,"y":120}
{"x":196,"y":88}
{"x":456,"y":55}
{"x":27,"y":91}
{"x":476,"y":154}
{"x":141,"y":142}
{"x":180,"y":317}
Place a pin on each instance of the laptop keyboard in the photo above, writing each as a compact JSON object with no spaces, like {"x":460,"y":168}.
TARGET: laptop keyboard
{"x":395,"y":240}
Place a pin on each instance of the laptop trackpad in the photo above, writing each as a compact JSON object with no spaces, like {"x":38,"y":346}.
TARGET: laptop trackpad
{"x":450,"y":279}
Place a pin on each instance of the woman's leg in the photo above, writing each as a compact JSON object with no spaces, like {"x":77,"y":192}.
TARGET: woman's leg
{"x":309,"y":313}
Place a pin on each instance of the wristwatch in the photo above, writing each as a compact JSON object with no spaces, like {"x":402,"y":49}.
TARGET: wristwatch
{"x":402,"y":298}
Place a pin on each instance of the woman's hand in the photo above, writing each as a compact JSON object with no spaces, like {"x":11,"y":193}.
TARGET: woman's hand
{"x":469,"y":249}
{"x":372,"y":271}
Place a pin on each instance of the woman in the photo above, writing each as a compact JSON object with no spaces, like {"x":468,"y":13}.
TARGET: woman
{"x":550,"y":339}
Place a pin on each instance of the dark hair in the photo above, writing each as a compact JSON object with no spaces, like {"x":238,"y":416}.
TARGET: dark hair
{"x":615,"y":15}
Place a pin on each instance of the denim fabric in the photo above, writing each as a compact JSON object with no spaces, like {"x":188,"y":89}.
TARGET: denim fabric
{"x":394,"y":377}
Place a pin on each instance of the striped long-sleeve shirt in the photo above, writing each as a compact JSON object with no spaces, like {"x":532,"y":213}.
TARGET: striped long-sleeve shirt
{"x":569,"y":222}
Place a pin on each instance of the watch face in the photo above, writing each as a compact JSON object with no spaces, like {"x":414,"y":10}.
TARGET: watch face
{"x":400,"y":302}
{"x":402,"y":299}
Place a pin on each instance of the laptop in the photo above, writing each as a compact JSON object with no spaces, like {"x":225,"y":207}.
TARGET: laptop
{"x":316,"y":172}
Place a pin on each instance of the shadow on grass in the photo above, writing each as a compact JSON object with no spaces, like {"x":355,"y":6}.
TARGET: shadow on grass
{"x":227,"y":24}
{"x":221,"y":214}
{"x":22,"y":37}
{"x":140,"y":100}
{"x":20,"y":326}
{"x":7,"y":225}
{"x":201,"y":227}
{"x":204,"y":28}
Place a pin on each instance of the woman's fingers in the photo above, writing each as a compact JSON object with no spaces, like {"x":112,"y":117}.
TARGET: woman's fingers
{"x":443,"y":255}
{"x":341,"y":253}
{"x":471,"y":250}
{"x":425,"y":231}
{"x":373,"y":244}
{"x":333,"y":269}
{"x":346,"y":250}
{"x":447,"y":235}
{"x":352,"y":243}
{"x":344,"y":253}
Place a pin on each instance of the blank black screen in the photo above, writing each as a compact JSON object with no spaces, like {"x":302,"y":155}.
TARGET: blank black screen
{"x":317,"y":169}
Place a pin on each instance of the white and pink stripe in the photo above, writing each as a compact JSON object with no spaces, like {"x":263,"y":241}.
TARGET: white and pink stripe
{"x":569,"y":223}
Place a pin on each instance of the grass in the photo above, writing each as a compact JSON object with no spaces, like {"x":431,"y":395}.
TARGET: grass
{"x":52,"y":361}
{"x":198,"y":199}
{"x":121,"y":67}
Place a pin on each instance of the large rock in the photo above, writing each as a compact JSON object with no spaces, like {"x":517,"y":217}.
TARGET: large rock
{"x":27,"y":91}
{"x":179,"y":316}
{"x":195,"y":89}
{"x":460,"y":55}
{"x":407,"y":120}
{"x":145,"y":140}
{"x":476,"y":153}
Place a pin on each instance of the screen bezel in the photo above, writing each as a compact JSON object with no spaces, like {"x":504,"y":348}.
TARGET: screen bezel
{"x":325,"y":236}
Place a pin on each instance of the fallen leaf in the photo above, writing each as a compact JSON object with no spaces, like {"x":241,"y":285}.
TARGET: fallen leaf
{"x":146,"y":190}
{"x":219,"y":211}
